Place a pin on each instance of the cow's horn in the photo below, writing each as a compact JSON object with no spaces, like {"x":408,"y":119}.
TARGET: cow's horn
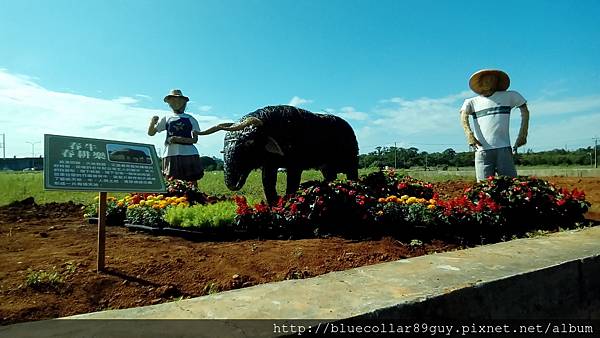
{"x":250,"y":121}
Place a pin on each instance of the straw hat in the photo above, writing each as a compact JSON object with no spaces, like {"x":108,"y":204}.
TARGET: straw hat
{"x":175,"y":93}
{"x":503,"y":80}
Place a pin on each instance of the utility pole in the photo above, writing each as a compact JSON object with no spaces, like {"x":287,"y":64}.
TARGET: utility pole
{"x":32,"y":147}
{"x":3,"y":146}
{"x":32,"y":152}
{"x":395,"y":156}
{"x":596,"y":152}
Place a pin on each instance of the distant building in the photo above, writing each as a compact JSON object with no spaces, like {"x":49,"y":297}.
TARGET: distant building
{"x":18,"y":164}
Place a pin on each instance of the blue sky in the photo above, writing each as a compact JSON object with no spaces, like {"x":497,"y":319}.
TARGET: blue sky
{"x":396,"y":70}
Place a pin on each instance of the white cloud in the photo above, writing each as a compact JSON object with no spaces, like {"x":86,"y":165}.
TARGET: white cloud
{"x":29,"y":111}
{"x":204,"y":109}
{"x":125,"y":100}
{"x":433,"y":124}
{"x":142,"y":96}
{"x":297,"y":101}
{"x":565,"y":105}
{"x":349,"y":113}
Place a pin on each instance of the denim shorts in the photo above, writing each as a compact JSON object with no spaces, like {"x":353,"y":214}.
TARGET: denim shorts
{"x":494,"y":162}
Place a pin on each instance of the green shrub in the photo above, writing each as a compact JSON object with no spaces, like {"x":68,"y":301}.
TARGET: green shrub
{"x":41,"y":280}
{"x":201,"y":216}
{"x":147,"y":216}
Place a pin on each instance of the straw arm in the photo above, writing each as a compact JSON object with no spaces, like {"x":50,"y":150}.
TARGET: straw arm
{"x":523,"y":131}
{"x":464,"y":118}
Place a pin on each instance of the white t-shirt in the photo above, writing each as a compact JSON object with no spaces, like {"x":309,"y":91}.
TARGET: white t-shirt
{"x":174,"y":149}
{"x":491,"y":117}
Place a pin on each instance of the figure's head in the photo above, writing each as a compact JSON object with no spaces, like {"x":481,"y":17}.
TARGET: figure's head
{"x":177,"y":101}
{"x":487,"y":81}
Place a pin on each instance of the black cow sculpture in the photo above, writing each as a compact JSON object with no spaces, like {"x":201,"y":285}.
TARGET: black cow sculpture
{"x":292,"y":138}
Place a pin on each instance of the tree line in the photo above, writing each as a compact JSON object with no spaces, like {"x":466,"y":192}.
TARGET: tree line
{"x":411,"y":157}
{"x":406,"y":158}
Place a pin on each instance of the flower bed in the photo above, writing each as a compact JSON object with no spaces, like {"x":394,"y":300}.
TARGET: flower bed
{"x":380,"y":204}
{"x":386,"y":204}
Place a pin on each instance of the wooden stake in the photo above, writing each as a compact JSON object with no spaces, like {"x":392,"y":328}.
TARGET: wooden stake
{"x":101,"y":230}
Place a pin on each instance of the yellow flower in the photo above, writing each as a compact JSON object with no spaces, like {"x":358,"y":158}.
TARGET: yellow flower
{"x":132,"y":206}
{"x":160,"y":197}
{"x":404,"y":197}
{"x":431,"y":206}
{"x":411,"y":200}
{"x":432,"y":201}
{"x":156,"y":206}
{"x":120,"y":203}
{"x":142,"y":202}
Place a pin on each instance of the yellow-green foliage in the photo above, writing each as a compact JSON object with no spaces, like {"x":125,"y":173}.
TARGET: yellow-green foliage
{"x":201,"y":216}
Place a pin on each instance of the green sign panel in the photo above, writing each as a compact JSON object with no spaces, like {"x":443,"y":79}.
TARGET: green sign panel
{"x":76,"y":163}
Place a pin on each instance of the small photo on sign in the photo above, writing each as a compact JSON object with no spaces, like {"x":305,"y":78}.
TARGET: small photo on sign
{"x":129,"y":154}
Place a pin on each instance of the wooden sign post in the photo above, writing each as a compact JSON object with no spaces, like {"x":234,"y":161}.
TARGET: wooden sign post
{"x":101,"y":231}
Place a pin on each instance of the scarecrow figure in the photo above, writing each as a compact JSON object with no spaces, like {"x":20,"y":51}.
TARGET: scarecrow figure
{"x":180,"y":158}
{"x":491,"y":116}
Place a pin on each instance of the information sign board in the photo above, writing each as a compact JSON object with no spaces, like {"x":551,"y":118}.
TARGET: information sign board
{"x":77,"y":163}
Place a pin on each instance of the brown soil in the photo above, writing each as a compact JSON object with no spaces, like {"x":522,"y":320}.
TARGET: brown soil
{"x":145,"y":269}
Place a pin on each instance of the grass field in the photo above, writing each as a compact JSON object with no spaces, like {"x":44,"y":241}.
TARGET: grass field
{"x":16,"y":186}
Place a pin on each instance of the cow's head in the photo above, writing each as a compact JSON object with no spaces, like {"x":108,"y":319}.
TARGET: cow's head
{"x":246,"y":146}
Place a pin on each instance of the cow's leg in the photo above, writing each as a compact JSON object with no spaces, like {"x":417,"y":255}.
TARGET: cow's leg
{"x":269,"y":180}
{"x":293,"y":180}
{"x":329,"y":173}
{"x":352,"y":174}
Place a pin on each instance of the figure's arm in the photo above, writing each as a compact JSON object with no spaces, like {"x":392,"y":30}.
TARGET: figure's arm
{"x":183,"y":140}
{"x":522,"y":138}
{"x":471,"y":140}
{"x":152,"y":126}
{"x":222,"y":126}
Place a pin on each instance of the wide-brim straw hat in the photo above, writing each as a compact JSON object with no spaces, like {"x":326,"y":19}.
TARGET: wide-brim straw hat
{"x":175,"y":93}
{"x":503,"y":80}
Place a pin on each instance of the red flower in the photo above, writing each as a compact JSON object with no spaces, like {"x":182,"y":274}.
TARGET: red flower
{"x":562,"y":202}
{"x":261,"y":207}
{"x":578,"y":195}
